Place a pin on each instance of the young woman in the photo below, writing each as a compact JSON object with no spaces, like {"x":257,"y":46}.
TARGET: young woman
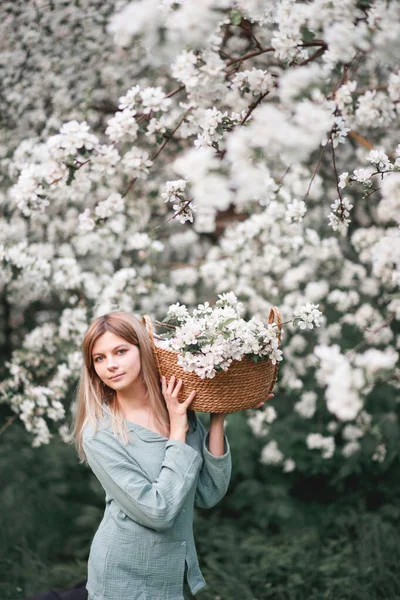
{"x":154,"y":460}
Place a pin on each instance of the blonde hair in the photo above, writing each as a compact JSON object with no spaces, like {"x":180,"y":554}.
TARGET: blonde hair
{"x":92,"y":392}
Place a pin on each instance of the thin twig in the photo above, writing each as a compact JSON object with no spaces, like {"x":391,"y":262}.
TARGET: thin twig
{"x":168,"y":326}
{"x":370,"y":193}
{"x":9,"y":421}
{"x":337,"y":177}
{"x":252,"y":106}
{"x":161,"y":148}
{"x":373,"y":89}
{"x":373,"y":333}
{"x":175,"y":91}
{"x":129,"y":187}
{"x":359,"y":138}
{"x":247,"y":27}
{"x":180,"y":211}
{"x":272,"y":49}
{"x":284,"y":175}
{"x":317,"y":166}
{"x":250,"y":55}
{"x":313,"y":57}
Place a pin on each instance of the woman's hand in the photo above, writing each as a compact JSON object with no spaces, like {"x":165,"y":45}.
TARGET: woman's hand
{"x":215,"y":417}
{"x":177,"y":410}
{"x":262,"y":403}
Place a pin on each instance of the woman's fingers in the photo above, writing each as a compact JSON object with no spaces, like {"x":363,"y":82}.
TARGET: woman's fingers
{"x":171,"y":385}
{"x":190,"y":398}
{"x":177,"y":388}
{"x":173,"y":388}
{"x":261,"y":404}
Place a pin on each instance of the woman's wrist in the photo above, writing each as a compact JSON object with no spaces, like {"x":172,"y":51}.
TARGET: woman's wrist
{"x":216,"y":434}
{"x":178,"y":434}
{"x":178,"y":430}
{"x":217,"y":418}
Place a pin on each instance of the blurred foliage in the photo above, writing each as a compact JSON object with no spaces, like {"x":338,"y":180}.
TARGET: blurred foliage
{"x":324,"y":535}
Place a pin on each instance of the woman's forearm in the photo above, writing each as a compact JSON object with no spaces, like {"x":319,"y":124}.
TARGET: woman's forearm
{"x":216,"y":437}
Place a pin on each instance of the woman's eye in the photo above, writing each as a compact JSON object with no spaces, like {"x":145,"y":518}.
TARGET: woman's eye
{"x":99,"y":358}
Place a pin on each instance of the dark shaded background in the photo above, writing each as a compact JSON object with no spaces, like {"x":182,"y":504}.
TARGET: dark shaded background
{"x":274,"y":536}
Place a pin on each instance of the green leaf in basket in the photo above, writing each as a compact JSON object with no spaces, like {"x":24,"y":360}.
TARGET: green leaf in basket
{"x":226,"y":322}
{"x":255,"y":358}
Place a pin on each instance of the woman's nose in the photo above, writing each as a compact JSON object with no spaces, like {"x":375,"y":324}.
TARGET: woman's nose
{"x":111,"y":363}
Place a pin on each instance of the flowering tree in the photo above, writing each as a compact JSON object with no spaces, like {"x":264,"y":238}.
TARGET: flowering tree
{"x":209,"y":147}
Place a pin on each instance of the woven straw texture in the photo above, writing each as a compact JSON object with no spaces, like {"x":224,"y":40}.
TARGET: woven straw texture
{"x":242,"y":386}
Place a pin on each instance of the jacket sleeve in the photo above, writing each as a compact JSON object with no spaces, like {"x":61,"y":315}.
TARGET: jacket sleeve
{"x":215,"y":472}
{"x":154,"y":504}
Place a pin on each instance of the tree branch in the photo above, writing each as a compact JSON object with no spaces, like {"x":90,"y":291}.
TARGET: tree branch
{"x":253,"y":106}
{"x":8,"y":422}
{"x":317,"y":166}
{"x":167,"y":139}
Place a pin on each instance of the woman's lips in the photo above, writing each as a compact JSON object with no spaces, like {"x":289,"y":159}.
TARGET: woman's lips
{"x":116,"y":377}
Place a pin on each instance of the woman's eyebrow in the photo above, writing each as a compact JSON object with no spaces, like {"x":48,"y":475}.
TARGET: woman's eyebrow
{"x":113,"y":350}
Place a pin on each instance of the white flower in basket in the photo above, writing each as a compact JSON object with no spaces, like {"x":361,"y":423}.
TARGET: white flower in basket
{"x":231,"y":363}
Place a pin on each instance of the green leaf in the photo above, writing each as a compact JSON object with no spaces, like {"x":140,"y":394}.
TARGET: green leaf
{"x":307,"y":35}
{"x":226,"y":322}
{"x":236,"y":17}
{"x":71,"y":174}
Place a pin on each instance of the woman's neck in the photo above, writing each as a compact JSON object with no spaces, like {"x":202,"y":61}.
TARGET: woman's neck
{"x":133,"y":400}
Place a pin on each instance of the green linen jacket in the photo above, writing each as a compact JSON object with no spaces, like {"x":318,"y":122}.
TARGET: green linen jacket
{"x":144,"y":546}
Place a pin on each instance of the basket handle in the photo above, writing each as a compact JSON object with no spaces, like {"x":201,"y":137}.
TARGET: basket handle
{"x":275,"y":315}
{"x":147,"y":323}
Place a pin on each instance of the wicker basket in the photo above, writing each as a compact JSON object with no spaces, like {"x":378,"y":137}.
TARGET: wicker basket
{"x":242,"y":386}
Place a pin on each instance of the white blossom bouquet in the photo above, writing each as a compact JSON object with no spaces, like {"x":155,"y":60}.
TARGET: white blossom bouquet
{"x":213,"y":337}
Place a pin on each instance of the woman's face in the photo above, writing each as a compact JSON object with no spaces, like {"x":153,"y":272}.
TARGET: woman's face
{"x":116,"y":361}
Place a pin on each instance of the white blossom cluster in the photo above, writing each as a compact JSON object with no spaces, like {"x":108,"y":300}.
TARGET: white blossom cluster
{"x":255,"y":81}
{"x":210,"y":339}
{"x":316,"y":441}
{"x":260,"y":420}
{"x":122,"y":124}
{"x":265,"y":130}
{"x":39,"y":404}
{"x":73,"y":138}
{"x":104,"y":210}
{"x":213,"y":123}
{"x":338,"y":218}
{"x":308,"y":316}
{"x":272,"y":455}
{"x":307,"y":406}
{"x":347,"y":380}
{"x":175,"y":193}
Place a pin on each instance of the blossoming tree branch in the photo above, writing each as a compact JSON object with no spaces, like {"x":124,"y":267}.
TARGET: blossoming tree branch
{"x":177,"y":150}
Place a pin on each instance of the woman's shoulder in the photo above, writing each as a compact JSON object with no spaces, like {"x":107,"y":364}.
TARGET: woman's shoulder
{"x":100,"y":429}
